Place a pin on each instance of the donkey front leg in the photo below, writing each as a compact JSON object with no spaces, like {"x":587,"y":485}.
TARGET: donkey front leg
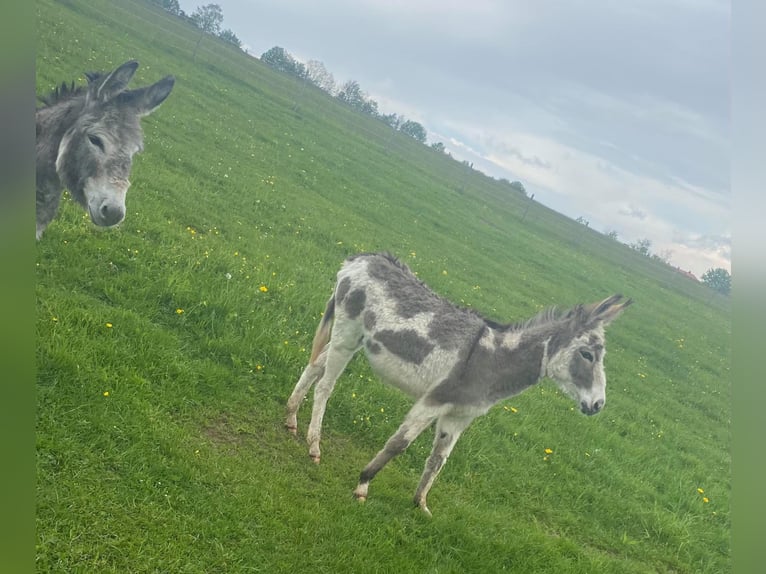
{"x":448,"y":430}
{"x":311,"y":374}
{"x":337,"y":359}
{"x":416,"y":421}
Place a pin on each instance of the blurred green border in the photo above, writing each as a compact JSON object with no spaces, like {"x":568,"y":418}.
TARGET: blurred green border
{"x":748,"y":182}
{"x":17,"y":244}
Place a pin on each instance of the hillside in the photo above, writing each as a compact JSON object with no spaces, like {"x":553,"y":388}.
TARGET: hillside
{"x":167,"y":348}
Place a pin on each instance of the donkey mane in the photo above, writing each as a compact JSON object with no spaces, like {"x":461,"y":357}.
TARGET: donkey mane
{"x":544,"y":317}
{"x":66,"y":92}
{"x":62,"y":93}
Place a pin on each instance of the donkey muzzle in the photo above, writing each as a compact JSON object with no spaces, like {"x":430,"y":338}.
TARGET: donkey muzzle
{"x":592,"y":409}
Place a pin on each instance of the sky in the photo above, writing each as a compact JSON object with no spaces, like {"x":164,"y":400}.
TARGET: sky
{"x":613,"y":111}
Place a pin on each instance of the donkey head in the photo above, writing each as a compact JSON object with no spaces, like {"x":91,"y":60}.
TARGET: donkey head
{"x":96,"y":153}
{"x":576,"y":352}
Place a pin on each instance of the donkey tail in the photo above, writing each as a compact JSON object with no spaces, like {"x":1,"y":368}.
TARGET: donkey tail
{"x":322,"y":335}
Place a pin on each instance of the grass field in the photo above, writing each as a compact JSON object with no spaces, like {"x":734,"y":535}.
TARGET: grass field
{"x":167,"y":348}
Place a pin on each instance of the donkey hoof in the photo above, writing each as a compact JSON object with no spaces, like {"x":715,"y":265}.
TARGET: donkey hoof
{"x":361,"y":499}
{"x":314,"y":458}
{"x":292,"y":429}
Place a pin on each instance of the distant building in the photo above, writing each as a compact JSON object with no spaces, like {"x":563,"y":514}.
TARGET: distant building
{"x":688,"y":274}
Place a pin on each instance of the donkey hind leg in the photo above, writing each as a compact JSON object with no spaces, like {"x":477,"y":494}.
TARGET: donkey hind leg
{"x":448,"y":430}
{"x":311,"y":374}
{"x":339,"y":353}
{"x":416,"y":421}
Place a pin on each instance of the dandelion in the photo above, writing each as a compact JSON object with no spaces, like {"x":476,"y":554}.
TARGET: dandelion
{"x":514,"y":410}
{"x":444,"y":271}
{"x":228,"y":275}
{"x":548,"y":451}
{"x":179,"y":311}
{"x":700,"y":491}
{"x":381,"y":409}
{"x":263,"y":289}
{"x":259,"y":367}
{"x":705,"y":499}
{"x":106,"y":393}
{"x":108,"y":325}
{"x":55,"y":319}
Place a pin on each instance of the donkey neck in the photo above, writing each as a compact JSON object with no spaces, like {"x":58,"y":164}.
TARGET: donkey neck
{"x":518,"y":359}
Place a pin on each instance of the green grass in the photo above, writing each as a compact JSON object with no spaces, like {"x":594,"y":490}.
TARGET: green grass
{"x":162,"y":383}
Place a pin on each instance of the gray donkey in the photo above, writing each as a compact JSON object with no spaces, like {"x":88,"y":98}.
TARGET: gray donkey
{"x":86,"y":139}
{"x":453,"y":362}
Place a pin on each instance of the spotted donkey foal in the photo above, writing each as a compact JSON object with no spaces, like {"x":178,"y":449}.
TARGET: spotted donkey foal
{"x":453,"y":362}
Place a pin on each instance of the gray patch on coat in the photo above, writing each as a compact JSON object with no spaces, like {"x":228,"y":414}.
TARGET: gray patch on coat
{"x":490,"y":375}
{"x":355,"y":303}
{"x":406,"y":344}
{"x":451,"y":330}
{"x":369,"y":320}
{"x":410,"y":294}
{"x":343,"y":286}
{"x":372,"y":347}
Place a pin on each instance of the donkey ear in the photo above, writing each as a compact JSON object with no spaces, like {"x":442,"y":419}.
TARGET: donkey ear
{"x":607,"y":310}
{"x":116,"y":82}
{"x":146,"y":100}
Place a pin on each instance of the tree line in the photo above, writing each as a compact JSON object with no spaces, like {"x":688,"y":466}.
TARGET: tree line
{"x":349,"y":92}
{"x":208,"y":18}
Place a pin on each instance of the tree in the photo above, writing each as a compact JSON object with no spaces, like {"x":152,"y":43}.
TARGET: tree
{"x":393,"y":120}
{"x":208,"y":19}
{"x":352,"y":94}
{"x":518,"y":186}
{"x":438,"y":146}
{"x":642,"y":246}
{"x":718,"y":279}
{"x":171,"y":6}
{"x":415,"y":130}
{"x":611,"y":234}
{"x":317,"y":74}
{"x":280,"y":59}
{"x":230,"y":37}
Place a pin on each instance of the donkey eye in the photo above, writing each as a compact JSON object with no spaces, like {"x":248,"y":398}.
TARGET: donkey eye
{"x":96,"y":141}
{"x":587,"y":355}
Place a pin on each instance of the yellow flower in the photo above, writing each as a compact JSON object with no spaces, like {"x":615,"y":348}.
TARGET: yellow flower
{"x":108,"y":325}
{"x":705,"y":499}
{"x":514,"y":410}
{"x":263,"y":288}
{"x":700,"y":491}
{"x":106,"y":393}
{"x":548,"y":451}
{"x":179,"y":311}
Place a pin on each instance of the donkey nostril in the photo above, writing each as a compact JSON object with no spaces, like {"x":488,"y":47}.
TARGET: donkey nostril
{"x":591,"y":409}
{"x":597,"y":406}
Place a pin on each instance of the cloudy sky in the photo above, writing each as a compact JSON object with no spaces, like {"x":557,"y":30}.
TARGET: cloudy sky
{"x":614,"y":111}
